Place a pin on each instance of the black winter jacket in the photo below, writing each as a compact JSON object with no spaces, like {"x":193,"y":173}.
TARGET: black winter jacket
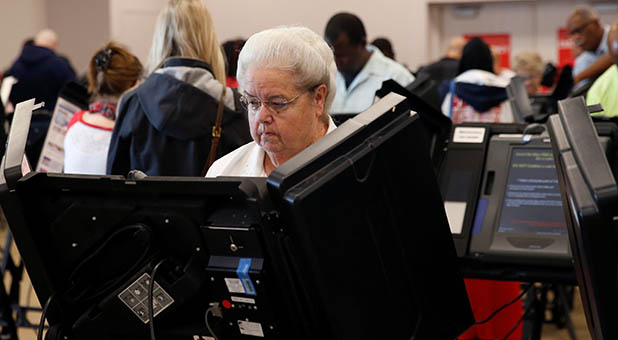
{"x":164,"y":126}
{"x":41,"y":74}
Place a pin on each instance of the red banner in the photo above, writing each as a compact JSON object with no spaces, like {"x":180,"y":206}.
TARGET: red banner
{"x":499,"y":43}
{"x":565,"y":48}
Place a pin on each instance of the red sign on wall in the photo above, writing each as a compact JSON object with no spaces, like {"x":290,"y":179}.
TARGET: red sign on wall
{"x":499,"y":43}
{"x":565,"y":48}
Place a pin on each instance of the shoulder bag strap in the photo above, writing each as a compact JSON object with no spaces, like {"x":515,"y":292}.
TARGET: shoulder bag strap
{"x":216,"y":134}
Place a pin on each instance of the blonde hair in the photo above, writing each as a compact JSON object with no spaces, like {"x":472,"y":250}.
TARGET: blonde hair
{"x":529,"y":62}
{"x":185,"y":28}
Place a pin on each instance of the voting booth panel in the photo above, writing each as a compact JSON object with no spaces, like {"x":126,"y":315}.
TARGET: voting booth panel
{"x":590,"y":194}
{"x":501,"y":195}
{"x":240,"y":258}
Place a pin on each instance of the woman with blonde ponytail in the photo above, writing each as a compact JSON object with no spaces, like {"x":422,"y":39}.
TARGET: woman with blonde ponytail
{"x":165,"y":125}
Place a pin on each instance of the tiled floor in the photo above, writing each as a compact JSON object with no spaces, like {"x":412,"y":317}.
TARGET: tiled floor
{"x":550,"y":332}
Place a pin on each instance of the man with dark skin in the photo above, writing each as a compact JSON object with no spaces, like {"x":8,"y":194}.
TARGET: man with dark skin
{"x":362,"y":67}
{"x":350,"y":56}
{"x":588,"y":34}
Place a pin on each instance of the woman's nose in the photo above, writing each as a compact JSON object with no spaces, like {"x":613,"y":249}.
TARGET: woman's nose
{"x":264,"y":115}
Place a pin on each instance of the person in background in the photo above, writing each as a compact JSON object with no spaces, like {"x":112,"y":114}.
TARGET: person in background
{"x":40,"y":72}
{"x":111,"y":72}
{"x":477,"y":93}
{"x":529,"y":66}
{"x":287,"y":95}
{"x":446,"y":68}
{"x":362,"y":67}
{"x":166,"y":125}
{"x":499,"y":70}
{"x":232,"y":48}
{"x":385,"y":46}
{"x":604,"y":90}
{"x":590,"y":35}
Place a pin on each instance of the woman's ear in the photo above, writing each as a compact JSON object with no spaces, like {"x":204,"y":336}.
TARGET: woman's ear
{"x":319,"y":98}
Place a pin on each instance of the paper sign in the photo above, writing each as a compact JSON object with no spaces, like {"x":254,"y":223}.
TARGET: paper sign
{"x":468,"y":135}
{"x":52,"y":154}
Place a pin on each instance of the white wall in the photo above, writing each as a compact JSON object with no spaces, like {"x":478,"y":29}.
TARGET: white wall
{"x":403,"y":21}
{"x":19,"y":20}
{"x":82,"y":26}
{"x":419,"y":29}
{"x":132,"y":24}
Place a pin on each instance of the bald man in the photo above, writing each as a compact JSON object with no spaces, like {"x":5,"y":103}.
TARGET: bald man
{"x":40,"y":72}
{"x":446,"y":68}
{"x":590,"y":36}
{"x":604,"y":91}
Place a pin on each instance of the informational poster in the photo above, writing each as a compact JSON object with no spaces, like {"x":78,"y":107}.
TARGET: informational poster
{"x":52,"y":154}
{"x":499,"y":43}
{"x":565,"y":48}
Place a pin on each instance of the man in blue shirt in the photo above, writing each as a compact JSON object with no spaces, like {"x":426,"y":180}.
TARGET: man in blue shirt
{"x":587,"y":33}
{"x":362,"y":67}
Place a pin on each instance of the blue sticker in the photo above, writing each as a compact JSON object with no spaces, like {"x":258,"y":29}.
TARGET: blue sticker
{"x":479,"y":217}
{"x":242,"y":271}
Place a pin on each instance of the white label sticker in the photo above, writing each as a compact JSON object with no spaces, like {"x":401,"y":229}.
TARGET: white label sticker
{"x":250,"y":328}
{"x":469,"y":134}
{"x":197,"y":337}
{"x":455,"y":212}
{"x":234,"y":285}
{"x":242,"y":300}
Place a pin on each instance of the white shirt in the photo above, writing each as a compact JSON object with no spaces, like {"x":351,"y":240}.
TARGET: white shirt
{"x":361,"y":93}
{"x":246,"y":161}
{"x":85,"y":148}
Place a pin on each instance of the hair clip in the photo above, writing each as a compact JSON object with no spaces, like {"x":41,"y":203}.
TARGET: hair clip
{"x":103,"y":59}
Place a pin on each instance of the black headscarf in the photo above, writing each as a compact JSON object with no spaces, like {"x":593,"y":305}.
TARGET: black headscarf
{"x":476,"y":55}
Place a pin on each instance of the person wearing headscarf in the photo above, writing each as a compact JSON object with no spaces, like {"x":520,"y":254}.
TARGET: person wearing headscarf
{"x":477,"y":93}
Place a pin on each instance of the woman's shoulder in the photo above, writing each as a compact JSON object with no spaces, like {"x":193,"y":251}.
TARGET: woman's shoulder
{"x":97,"y":121}
{"x":236,"y":162}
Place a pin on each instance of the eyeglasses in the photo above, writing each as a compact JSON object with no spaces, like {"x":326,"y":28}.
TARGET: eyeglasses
{"x":277,"y":104}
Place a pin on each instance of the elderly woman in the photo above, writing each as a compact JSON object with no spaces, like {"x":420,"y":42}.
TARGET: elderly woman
{"x":287,"y":79}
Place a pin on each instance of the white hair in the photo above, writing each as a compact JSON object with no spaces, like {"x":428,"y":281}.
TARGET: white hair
{"x":46,"y":38}
{"x":291,"y":48}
